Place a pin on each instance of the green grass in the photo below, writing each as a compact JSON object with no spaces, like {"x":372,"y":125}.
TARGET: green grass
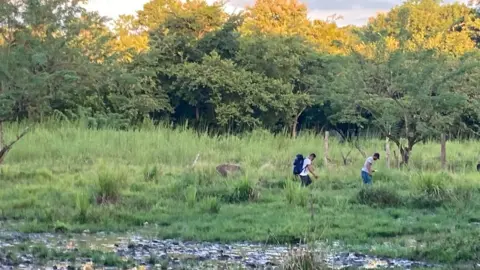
{"x":64,"y":177}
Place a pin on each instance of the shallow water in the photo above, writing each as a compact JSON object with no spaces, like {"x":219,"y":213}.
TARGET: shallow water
{"x":182,"y":255}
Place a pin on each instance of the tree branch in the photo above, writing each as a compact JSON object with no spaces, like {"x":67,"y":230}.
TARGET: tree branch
{"x":4,"y":151}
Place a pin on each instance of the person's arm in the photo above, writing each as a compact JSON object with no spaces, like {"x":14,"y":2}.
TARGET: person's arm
{"x":369,"y":168}
{"x":310,"y":169}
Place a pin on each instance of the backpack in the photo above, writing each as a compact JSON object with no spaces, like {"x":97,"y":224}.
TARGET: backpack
{"x":298,"y":164}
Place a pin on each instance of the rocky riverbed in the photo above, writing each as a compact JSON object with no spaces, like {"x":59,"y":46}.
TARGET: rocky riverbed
{"x":151,"y":253}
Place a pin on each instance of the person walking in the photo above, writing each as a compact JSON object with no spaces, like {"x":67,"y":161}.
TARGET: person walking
{"x":307,"y":169}
{"x":367,"y":168}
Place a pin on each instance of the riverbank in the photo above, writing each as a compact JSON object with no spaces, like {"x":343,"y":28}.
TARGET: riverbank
{"x":30,"y":251}
{"x":68,"y":179}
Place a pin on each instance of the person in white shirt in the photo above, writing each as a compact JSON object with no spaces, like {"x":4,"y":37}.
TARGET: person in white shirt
{"x":306,"y":169}
{"x":367,"y":168}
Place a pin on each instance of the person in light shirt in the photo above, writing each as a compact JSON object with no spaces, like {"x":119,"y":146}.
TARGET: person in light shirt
{"x":367,"y":168}
{"x":306,"y":169}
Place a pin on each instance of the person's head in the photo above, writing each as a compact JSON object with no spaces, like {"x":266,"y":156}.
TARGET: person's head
{"x":376,"y":156}
{"x":312,"y":156}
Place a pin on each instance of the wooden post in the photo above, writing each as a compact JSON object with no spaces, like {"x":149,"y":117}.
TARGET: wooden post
{"x":2,"y":141}
{"x":325,"y":153}
{"x":387,"y":152}
{"x":443,"y":151}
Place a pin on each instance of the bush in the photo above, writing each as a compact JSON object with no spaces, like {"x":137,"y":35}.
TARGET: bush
{"x":431,"y":190}
{"x":304,"y":260}
{"x":109,"y":185}
{"x":434,"y":190}
{"x":433,"y":185}
{"x":295,"y":194}
{"x":243,"y":191}
{"x":191,"y":195}
{"x":211,"y":205}
{"x":83,"y":206}
{"x":379,"y":196}
{"x":151,"y":174}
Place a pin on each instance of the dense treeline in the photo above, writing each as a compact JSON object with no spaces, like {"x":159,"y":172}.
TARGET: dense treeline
{"x":411,"y":73}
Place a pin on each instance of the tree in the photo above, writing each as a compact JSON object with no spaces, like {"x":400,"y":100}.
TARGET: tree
{"x":235,"y":97}
{"x":187,"y":38}
{"x":294,"y":62}
{"x":56,"y":59}
{"x":198,"y":15}
{"x":329,"y":38}
{"x":410,"y":97}
{"x":155,"y":12}
{"x":130,"y":39}
{"x":284,"y":17}
{"x":423,"y":25}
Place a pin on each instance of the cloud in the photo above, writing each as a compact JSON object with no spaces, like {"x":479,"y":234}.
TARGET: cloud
{"x":354,"y":12}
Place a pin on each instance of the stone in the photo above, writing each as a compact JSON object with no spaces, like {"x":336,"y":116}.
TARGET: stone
{"x":227,"y":169}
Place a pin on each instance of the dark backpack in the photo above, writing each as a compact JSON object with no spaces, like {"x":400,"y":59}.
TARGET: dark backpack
{"x":298,"y":164}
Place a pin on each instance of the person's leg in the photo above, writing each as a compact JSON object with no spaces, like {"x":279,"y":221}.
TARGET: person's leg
{"x":308,"y":181}
{"x":305,"y":180}
{"x":302,"y":180}
{"x":367,"y":179}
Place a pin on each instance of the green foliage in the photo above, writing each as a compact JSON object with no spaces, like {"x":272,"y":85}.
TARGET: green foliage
{"x":382,"y":196}
{"x":407,"y":97}
{"x":109,"y":185}
{"x":305,"y":260}
{"x":211,"y":205}
{"x":191,"y":196}
{"x":410,"y":75}
{"x":37,"y":204}
{"x":151,"y":174}
{"x":436,"y":186}
{"x":244,"y":190}
{"x":83,"y":204}
{"x":295,"y":194}
{"x":189,"y":61}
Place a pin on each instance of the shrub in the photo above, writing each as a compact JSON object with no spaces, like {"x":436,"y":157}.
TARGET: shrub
{"x":295,"y":194}
{"x":109,"y":185}
{"x":378,"y":196}
{"x":44,"y":174}
{"x":304,"y":260}
{"x":433,"y":185}
{"x":150,"y":174}
{"x":60,"y":227}
{"x":390,"y":176}
{"x":83,"y":206}
{"x":431,"y":190}
{"x":211,"y":205}
{"x":191,"y":195}
{"x":243,"y":191}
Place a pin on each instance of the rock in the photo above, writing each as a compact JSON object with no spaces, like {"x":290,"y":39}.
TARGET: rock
{"x":226,"y":169}
{"x":197,"y":255}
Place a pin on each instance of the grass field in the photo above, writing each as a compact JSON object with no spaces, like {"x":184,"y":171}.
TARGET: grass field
{"x":64,"y":177}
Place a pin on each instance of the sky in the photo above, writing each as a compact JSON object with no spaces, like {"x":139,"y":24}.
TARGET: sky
{"x":354,"y":12}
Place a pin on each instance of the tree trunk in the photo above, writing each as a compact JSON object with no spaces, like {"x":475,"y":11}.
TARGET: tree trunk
{"x":294,"y":127}
{"x":197,"y":113}
{"x":325,"y":153}
{"x":443,"y":151}
{"x":387,"y":152}
{"x":295,"y":123}
{"x":405,"y":153}
{"x":6,"y":147}
{"x":395,"y":156}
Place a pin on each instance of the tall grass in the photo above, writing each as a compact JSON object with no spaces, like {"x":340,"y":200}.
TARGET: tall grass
{"x":103,"y":179}
{"x":176,"y":148}
{"x":109,"y":185}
